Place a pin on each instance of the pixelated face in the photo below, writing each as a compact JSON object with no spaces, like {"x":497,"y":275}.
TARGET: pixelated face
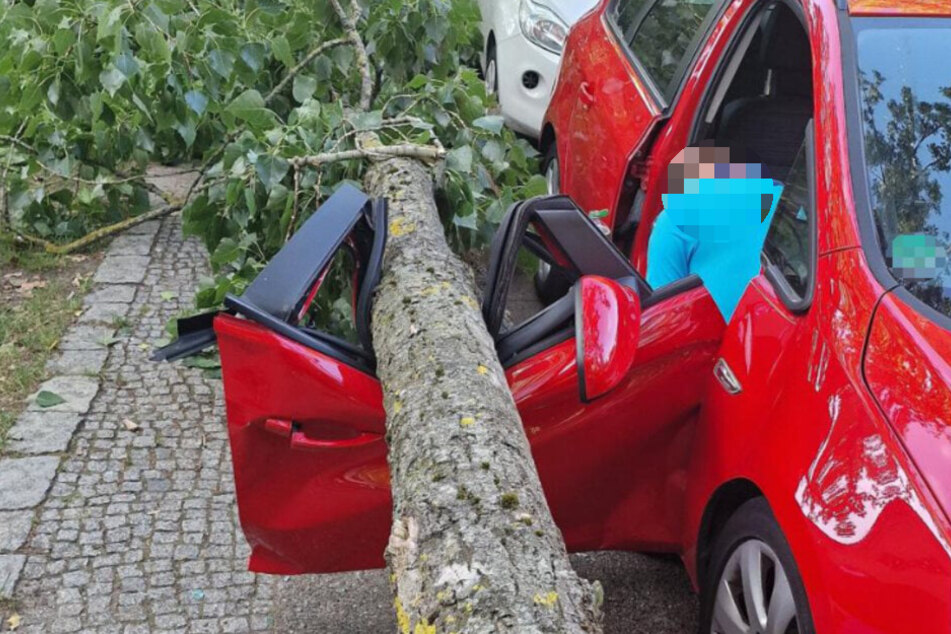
{"x":711,"y":197}
{"x":694,"y":164}
{"x":917,"y":257}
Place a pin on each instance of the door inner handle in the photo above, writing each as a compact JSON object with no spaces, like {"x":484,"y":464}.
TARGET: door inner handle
{"x":725,"y":376}
{"x":587,"y":96}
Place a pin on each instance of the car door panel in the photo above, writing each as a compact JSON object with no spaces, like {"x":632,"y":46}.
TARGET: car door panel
{"x":613,"y":470}
{"x":600,"y":141}
{"x":323,"y":508}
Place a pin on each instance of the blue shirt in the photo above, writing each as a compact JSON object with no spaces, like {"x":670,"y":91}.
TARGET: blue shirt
{"x":715,"y":230}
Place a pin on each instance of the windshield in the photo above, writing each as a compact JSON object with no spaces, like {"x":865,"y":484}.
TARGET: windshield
{"x":905,"y":91}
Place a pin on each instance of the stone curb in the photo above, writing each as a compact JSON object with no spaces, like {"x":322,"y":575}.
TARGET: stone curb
{"x":40,"y":436}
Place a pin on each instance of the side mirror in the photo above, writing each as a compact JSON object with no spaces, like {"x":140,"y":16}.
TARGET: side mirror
{"x":607,"y":325}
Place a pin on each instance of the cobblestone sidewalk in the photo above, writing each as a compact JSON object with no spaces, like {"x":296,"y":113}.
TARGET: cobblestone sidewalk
{"x":138,"y":531}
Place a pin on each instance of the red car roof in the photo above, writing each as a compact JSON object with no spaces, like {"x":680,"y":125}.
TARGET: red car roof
{"x":900,"y":7}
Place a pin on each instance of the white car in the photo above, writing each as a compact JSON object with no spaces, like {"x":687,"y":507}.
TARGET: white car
{"x":523,"y":44}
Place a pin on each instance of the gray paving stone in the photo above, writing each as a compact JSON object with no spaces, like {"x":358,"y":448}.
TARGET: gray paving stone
{"x":77,"y":392}
{"x":24,"y":481}
{"x":111,"y":293}
{"x":149,"y":227}
{"x":10,"y":568}
{"x":14,"y":529}
{"x":122,"y":269}
{"x":137,"y":524}
{"x":42,"y":432}
{"x":85,"y":362}
{"x":131,"y":244}
{"x":87,"y":337}
{"x":104,"y":312}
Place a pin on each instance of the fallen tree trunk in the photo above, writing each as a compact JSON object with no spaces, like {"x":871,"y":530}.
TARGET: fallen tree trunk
{"x":473,"y":546}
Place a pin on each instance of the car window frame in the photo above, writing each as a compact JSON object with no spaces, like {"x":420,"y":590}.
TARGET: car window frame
{"x":790,"y":298}
{"x":865,"y":215}
{"x":687,"y":61}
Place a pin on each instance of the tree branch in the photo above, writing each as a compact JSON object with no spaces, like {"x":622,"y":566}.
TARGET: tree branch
{"x":98,"y":234}
{"x":349,"y":21}
{"x":304,"y":62}
{"x":421,"y":152}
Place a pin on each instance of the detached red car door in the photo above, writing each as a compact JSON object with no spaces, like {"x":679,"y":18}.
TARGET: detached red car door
{"x":306,"y":421}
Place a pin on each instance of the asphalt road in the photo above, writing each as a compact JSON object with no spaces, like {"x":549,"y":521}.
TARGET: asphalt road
{"x":642,"y":595}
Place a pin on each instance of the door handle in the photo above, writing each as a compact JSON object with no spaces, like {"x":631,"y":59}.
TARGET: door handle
{"x":301,"y":442}
{"x":587,"y":96}
{"x":725,"y":376}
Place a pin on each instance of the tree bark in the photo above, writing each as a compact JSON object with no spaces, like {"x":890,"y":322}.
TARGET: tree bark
{"x":473,"y":546}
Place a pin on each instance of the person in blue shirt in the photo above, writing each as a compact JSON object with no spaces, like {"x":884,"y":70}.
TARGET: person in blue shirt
{"x":717,"y":212}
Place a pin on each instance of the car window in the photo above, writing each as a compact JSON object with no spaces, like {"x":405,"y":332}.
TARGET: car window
{"x":787,"y":244}
{"x":666,"y":37}
{"x":906,"y":128}
{"x":626,"y":14}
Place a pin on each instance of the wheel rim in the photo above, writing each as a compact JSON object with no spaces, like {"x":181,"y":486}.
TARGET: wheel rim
{"x":753,"y":594}
{"x":490,"y":76}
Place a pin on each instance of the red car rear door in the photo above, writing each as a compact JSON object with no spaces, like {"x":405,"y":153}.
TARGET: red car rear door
{"x":623,"y":68}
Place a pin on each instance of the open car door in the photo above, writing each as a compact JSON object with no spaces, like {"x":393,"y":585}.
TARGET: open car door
{"x":305,"y":411}
{"x":612,"y":462}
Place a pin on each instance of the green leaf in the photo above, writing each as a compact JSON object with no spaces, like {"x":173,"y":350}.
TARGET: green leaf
{"x":205,"y":363}
{"x":366,"y":120}
{"x":226,"y":253}
{"x":222,"y":62}
{"x":282,"y":51}
{"x":48,"y":399}
{"x":249,"y":107}
{"x":536,"y":186}
{"x":197,"y":101}
{"x":168,"y":296}
{"x":52,"y":92}
{"x":186,"y":130}
{"x":253,"y":55}
{"x":112,"y":80}
{"x":493,"y":151}
{"x":271,"y":170}
{"x":304,"y":88}
{"x":460,"y":159}
{"x":492,"y":123}
{"x":110,"y":25}
{"x":468,"y":222}
{"x":62,"y":40}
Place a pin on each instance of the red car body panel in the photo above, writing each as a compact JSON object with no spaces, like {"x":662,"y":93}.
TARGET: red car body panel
{"x":589,"y":96}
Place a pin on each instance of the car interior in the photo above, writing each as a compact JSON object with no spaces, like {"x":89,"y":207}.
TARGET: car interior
{"x":763,"y":99}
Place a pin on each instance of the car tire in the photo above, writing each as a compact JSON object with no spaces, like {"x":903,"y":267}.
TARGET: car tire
{"x":550,"y":284}
{"x":491,"y":70}
{"x":751,"y":547}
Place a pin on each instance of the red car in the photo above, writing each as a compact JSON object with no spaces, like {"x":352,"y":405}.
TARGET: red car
{"x":798,"y":459}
